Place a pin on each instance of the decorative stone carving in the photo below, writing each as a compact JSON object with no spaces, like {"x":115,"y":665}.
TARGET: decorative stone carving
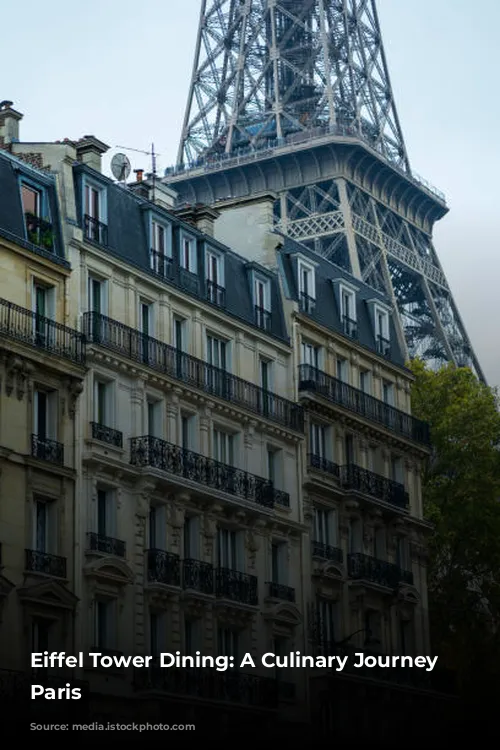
{"x":143,"y":497}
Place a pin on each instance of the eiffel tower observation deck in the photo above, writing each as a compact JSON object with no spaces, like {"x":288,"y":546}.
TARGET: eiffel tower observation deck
{"x":293,"y":98}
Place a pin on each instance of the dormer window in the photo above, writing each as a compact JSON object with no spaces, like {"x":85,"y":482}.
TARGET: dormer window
{"x":307,"y":286}
{"x":38,"y":228}
{"x":161,"y":248}
{"x":345,"y":294}
{"x":381,"y":326}
{"x":214,"y":277}
{"x":262,"y":302}
{"x":188,"y":253}
{"x":94,"y":213}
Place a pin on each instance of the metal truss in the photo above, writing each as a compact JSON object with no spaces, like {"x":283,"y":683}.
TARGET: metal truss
{"x":265,"y":69}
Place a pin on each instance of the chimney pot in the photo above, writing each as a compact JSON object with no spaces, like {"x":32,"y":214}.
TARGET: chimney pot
{"x":139,"y":173}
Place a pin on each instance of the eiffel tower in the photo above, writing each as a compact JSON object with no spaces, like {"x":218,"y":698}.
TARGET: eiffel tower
{"x":294,"y":97}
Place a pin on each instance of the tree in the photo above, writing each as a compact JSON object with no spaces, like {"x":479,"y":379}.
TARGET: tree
{"x":461,"y":493}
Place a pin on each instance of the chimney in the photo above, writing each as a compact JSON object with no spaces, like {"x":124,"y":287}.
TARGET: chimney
{"x":89,"y":150}
{"x":201,"y":216}
{"x":9,"y":123}
{"x":139,"y":173}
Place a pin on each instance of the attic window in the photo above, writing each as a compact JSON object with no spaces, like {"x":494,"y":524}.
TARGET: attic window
{"x":39,"y":230}
{"x":307,"y":286}
{"x":262,"y":302}
{"x":214,"y":277}
{"x":348,"y":312}
{"x":382,"y":332}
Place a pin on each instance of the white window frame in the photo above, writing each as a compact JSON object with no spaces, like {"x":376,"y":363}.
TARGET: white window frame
{"x":309,"y":268}
{"x":281,"y":562}
{"x":365,"y":387}
{"x":192,"y":260}
{"x":109,"y":405}
{"x":342,"y":372}
{"x":103,"y":291}
{"x":258,"y":280}
{"x":191,"y":538}
{"x":157,"y":527}
{"x":227,"y":642}
{"x":311,"y":354}
{"x":156,"y":222}
{"x":110,"y":624}
{"x":151,"y":316}
{"x":110,"y":512}
{"x":230,"y":549}
{"x":223,"y":445}
{"x":51,"y":415}
{"x":214,"y":343}
{"x":211,"y":253}
{"x":387,"y":384}
{"x":88,"y":182}
{"x":50,"y":531}
{"x":50,"y":297}
{"x":325,"y":526}
{"x":349,"y":294}
{"x":156,"y":406}
{"x":318,"y":439}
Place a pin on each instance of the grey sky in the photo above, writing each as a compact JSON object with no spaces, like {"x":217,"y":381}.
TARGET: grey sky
{"x":120,"y":70}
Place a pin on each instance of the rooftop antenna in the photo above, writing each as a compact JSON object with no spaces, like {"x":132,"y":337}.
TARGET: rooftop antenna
{"x":151,"y":153}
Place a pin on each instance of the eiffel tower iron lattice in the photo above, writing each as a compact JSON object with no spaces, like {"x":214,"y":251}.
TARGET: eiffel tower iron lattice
{"x":293,"y":97}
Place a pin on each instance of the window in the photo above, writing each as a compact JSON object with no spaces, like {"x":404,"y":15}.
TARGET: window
{"x":380,"y":544}
{"x":278,"y":563}
{"x":106,"y":513}
{"x":227,"y":642}
{"x":382,"y":332}
{"x":356,"y":535}
{"x":103,"y":403}
{"x":397,"y":469}
{"x":402,"y":554}
{"x":317,"y":440}
{"x":388,"y":392}
{"x":262,"y":302}
{"x":229,"y":549}
{"x":156,"y":633}
{"x":214,"y":270}
{"x":223,"y":447}
{"x":372,"y":628}
{"x":146,"y":319}
{"x":187,"y":431}
{"x":307,"y":287}
{"x":154,"y":418}
{"x":180,"y":337}
{"x":45,"y":414}
{"x":342,"y":370}
{"x":188,"y":253}
{"x":349,"y":449}
{"x":310,"y":354}
{"x":192,"y":639}
{"x":157,"y":527}
{"x":93,"y":202}
{"x":44,"y":526}
{"x":325,"y":531}
{"x":38,"y":229}
{"x":44,"y":309}
{"x":217,"y":351}
{"x":161,"y":248}
{"x":328,"y":620}
{"x":32,"y":200}
{"x":265,"y":374}
{"x":97,"y":295}
{"x":104,"y":624}
{"x":94,"y":214}
{"x":365,"y":383}
{"x":348,"y":312}
{"x":191,"y":537}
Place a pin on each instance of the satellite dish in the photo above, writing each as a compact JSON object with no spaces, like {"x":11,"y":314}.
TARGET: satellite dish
{"x":120,"y":166}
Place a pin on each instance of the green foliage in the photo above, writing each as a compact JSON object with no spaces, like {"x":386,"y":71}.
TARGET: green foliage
{"x":461,"y":492}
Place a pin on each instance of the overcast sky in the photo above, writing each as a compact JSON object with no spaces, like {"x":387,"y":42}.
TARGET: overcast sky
{"x":120,"y":70}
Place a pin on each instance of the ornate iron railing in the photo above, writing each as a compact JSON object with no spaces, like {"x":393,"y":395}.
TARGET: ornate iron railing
{"x":361,"y":480}
{"x":326,"y":552}
{"x":40,"y":232}
{"x":47,"y":450}
{"x":106,"y":544}
{"x":30,"y":328}
{"x":230,"y":686}
{"x":131,"y":343}
{"x":164,"y":567}
{"x":161,"y":264}
{"x":107,"y":434}
{"x":95,"y":230}
{"x":236,"y":586}
{"x":368,"y":568}
{"x":198,"y":576}
{"x":323,"y":464}
{"x":158,"y":454}
{"x":262,"y":318}
{"x":215,"y":294}
{"x":280,"y":591}
{"x":42,"y":562}
{"x":316,"y":381}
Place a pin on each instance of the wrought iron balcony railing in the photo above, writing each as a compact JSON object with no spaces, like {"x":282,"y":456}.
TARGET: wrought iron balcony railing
{"x":198,"y":576}
{"x":42,"y":562}
{"x":230,"y":686}
{"x":323,"y":464}
{"x":164,"y":567}
{"x":106,"y":544}
{"x":215,"y":294}
{"x":95,"y":230}
{"x":158,"y":454}
{"x":262,"y":318}
{"x":30,"y":328}
{"x":367,"y":482}
{"x":307,"y":304}
{"x":350,"y":327}
{"x":107,"y":434}
{"x":39,"y":232}
{"x":236,"y":586}
{"x":130,"y":343}
{"x":326,"y":552}
{"x":383,"y":346}
{"x":316,"y":381}
{"x":47,"y":450}
{"x":161,"y":264}
{"x":367,"y":568}
{"x":279,"y":591}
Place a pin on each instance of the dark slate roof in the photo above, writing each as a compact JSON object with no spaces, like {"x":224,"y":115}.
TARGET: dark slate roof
{"x":12,"y":222}
{"x":326,"y":310}
{"x":128,"y":240}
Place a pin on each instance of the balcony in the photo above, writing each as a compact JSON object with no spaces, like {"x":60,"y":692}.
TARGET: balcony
{"x":230,"y":686}
{"x":307,"y":304}
{"x":47,"y":450}
{"x":215,"y":294}
{"x":317,"y":382}
{"x":236,"y":586}
{"x":106,"y":435}
{"x":368,"y":483}
{"x":383,"y":346}
{"x":349,"y":327}
{"x":198,"y":576}
{"x":95,"y":231}
{"x":136,"y":346}
{"x":158,"y":454}
{"x":163,"y":567}
{"x":367,"y":568}
{"x":42,"y":562}
{"x":161,"y":265}
{"x":323,"y":551}
{"x":105,"y":544}
{"x":322,"y":464}
{"x":279,"y":591}
{"x":27,"y":327}
{"x":262,"y":318}
{"x":40,"y":232}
